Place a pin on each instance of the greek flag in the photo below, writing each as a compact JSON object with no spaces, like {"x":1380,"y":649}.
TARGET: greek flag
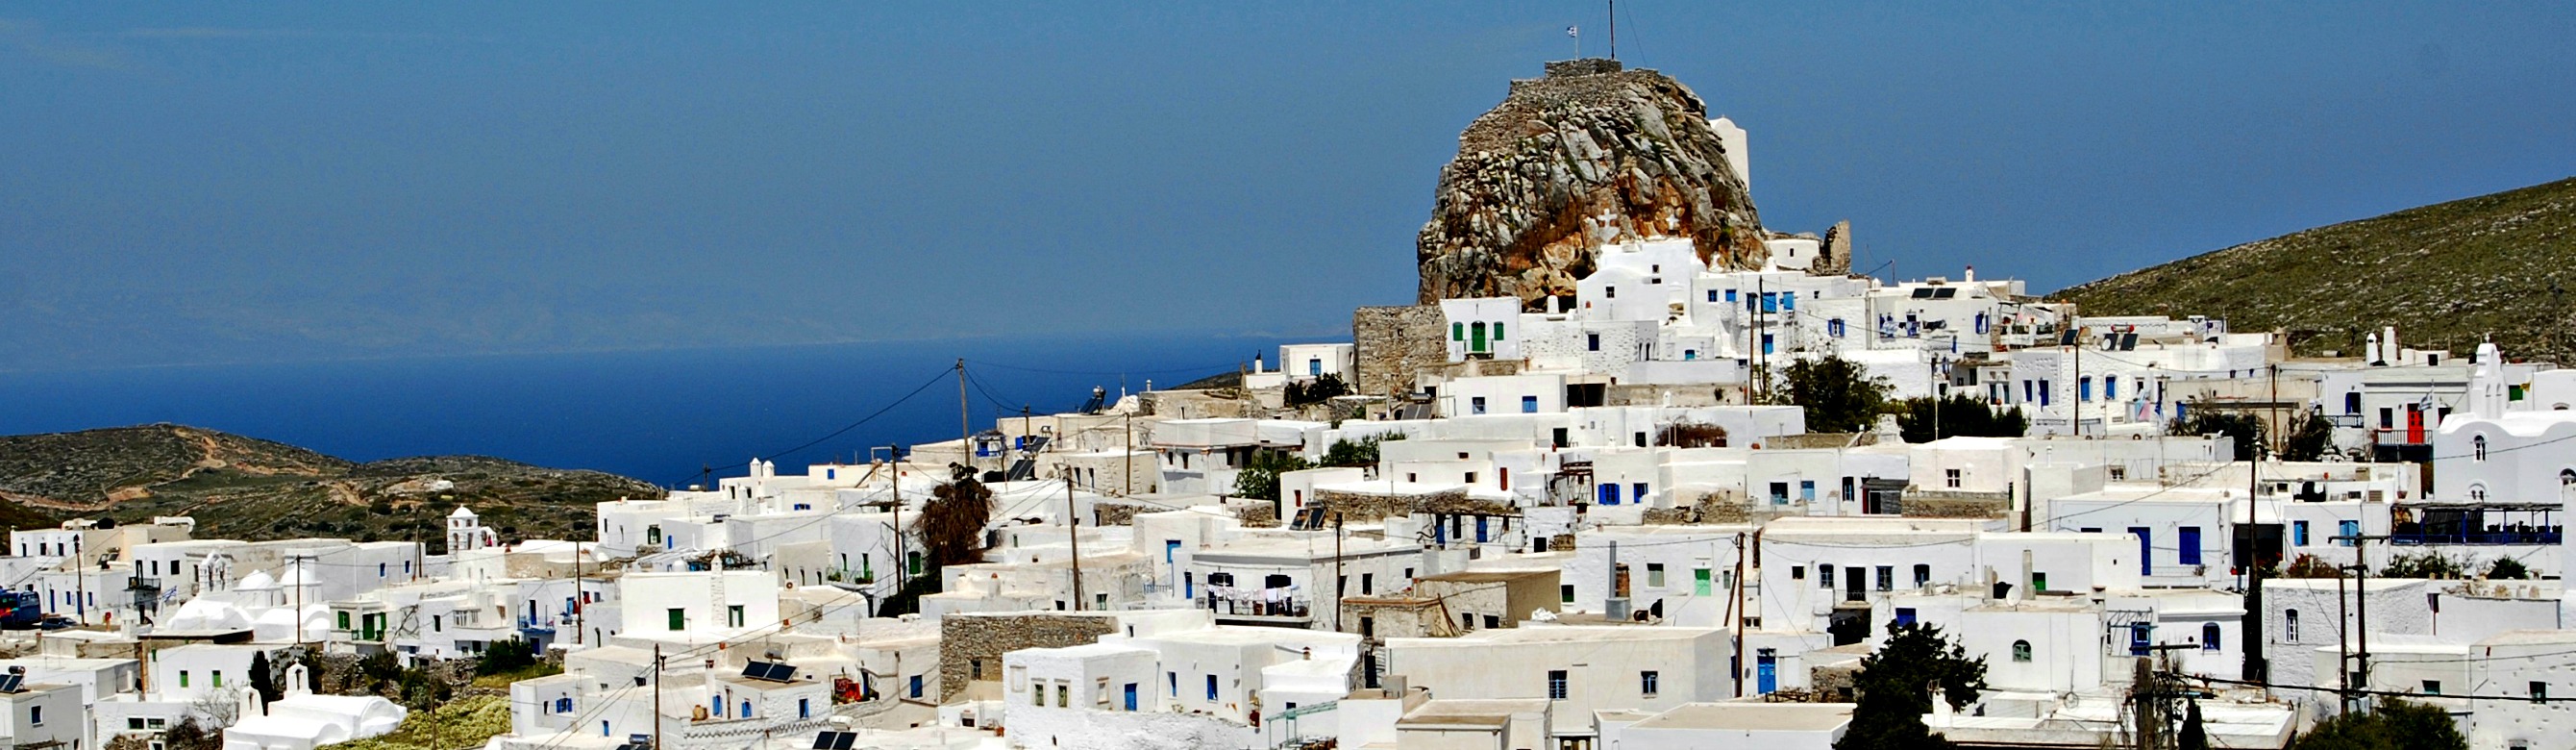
{"x":1572,"y":32}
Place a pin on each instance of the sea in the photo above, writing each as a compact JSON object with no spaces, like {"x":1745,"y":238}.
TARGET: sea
{"x":671,"y":417}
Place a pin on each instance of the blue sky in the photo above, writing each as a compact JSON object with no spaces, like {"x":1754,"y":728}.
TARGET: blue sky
{"x":294,"y":181}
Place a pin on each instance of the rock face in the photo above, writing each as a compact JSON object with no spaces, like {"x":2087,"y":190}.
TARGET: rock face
{"x":1589,"y":155}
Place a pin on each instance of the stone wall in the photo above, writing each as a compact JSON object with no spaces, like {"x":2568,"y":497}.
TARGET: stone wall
{"x":1393,"y":344}
{"x":1355,"y":507}
{"x":1956,"y":504}
{"x":974,"y":636}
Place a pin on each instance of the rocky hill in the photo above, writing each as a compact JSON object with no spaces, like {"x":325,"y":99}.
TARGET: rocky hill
{"x":2447,"y":275}
{"x":1589,"y":155}
{"x":245,"y":488}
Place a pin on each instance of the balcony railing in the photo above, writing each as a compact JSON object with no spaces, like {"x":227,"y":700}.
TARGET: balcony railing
{"x":1255,"y":606}
{"x":2494,"y":536}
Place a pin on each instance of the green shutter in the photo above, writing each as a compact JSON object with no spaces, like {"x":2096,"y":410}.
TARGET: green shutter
{"x":1498,"y":331}
{"x":1700,"y":582}
{"x":679,"y":619}
{"x":1457,"y":331}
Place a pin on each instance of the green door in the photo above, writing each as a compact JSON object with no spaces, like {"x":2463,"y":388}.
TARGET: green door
{"x":1476,"y":340}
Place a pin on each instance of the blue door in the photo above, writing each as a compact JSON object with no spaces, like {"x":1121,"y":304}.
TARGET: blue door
{"x":1131,"y":696}
{"x":2146,"y":550}
{"x":1767,"y":667}
{"x":1480,"y":529}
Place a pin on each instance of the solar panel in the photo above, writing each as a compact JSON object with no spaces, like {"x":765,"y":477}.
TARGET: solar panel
{"x":758,"y":670}
{"x":782,"y":672}
{"x":823,"y":741}
{"x":1945,"y":293}
{"x":773,"y":672}
{"x":844,"y":741}
{"x":11,"y":683}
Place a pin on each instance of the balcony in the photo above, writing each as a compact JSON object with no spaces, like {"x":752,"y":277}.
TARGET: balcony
{"x":1257,"y":606}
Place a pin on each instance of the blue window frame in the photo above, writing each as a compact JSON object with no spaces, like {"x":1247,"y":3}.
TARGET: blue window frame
{"x":1712,"y":295}
{"x":2190,"y":545}
{"x":1904,"y":615}
{"x":1592,"y":342}
{"x":2209,"y":636}
{"x":1529,"y":404}
{"x":2110,"y":389}
{"x":2299,"y":533}
{"x":1211,"y":687}
{"x":2146,"y":549}
{"x":1637,"y":492}
{"x":1834,"y":328}
{"x":1730,"y":295}
{"x":2084,"y":389}
{"x":916,"y":686}
{"x":1789,"y":301}
{"x":1609,"y":493}
{"x":1766,"y":344}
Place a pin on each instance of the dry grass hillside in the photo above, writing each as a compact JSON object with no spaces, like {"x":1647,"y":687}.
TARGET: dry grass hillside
{"x":245,"y":488}
{"x":2447,"y":275}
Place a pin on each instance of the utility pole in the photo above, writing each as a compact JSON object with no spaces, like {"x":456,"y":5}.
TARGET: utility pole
{"x":1614,"y":29}
{"x":2256,"y":668}
{"x":965,"y":425}
{"x":577,"y":622}
{"x":1735,"y":607}
{"x":1127,"y":484}
{"x":1073,"y":536}
{"x":894,"y":494}
{"x":2343,"y":647}
{"x":2078,"y":349}
{"x":2280,"y":441}
{"x":1337,"y":570}
{"x":657,"y":696}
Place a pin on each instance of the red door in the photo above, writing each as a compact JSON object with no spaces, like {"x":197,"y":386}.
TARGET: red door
{"x":2414,"y":424}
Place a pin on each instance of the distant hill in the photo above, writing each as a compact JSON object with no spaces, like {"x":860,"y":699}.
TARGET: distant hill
{"x":2447,"y":275}
{"x":246,"y":488}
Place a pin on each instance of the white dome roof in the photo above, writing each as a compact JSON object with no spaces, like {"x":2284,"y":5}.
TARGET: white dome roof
{"x":258,"y":580}
{"x":202,"y":614}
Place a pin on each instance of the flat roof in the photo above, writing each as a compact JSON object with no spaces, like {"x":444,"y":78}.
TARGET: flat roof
{"x":1472,"y":712}
{"x":1767,"y":717}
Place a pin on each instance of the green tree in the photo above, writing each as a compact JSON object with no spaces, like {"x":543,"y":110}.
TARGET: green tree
{"x":2194,"y":736}
{"x":2424,"y":565}
{"x":1259,"y":478}
{"x":503,"y":657}
{"x":262,"y":682}
{"x":2311,"y":438}
{"x":2507,"y":569}
{"x":1838,"y":395}
{"x":951,"y":525}
{"x":2395,"y":724}
{"x":1894,"y":689}
{"x":2244,"y":430}
{"x":1357,"y":454}
{"x":1959,"y":415}
{"x":1316,"y":390}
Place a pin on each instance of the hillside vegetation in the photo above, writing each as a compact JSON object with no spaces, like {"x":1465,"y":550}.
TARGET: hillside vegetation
{"x":245,"y":488}
{"x":2447,"y":275}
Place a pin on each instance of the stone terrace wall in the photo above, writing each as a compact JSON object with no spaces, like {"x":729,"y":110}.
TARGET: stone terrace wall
{"x":967,"y":636}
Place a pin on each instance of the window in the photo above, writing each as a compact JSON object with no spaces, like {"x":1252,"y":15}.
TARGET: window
{"x":2046,"y":391}
{"x":1476,"y":405}
{"x":219,"y":678}
{"x":183,"y":678}
{"x":1730,"y":295}
{"x":1100,"y":692}
{"x":134,"y":722}
{"x":2387,"y":417}
{"x":1950,"y":478}
{"x":1457,"y":331}
{"x":746,"y":711}
{"x":1609,"y":292}
{"x":1529,"y":404}
{"x":1834,"y":328}
{"x":1368,"y":582}
{"x":1063,"y":695}
{"x":804,"y":708}
{"x":1498,"y":331}
{"x":1655,"y":575}
{"x":1556,"y":684}
{"x":36,"y":715}
{"x":2190,"y":543}
{"x":2478,"y":448}
{"x":2209,"y":636}
{"x":1904,"y":615}
{"x":679,"y":618}
{"x":2038,"y":581}
{"x":2347,"y":530}
{"x":733,"y":615}
{"x":1368,"y":626}
{"x":2432,"y":687}
{"x":2539,"y":691}
{"x":1211,"y":687}
{"x":1565,"y":593}
{"x":1701,"y":582}
{"x":1649,"y":682}
{"x":1712,"y":295}
{"x":1592,"y":342}
{"x":344,"y":621}
{"x":1824,"y":576}
{"x":2299,"y":533}
{"x":2084,"y":389}
{"x":916,"y":686}
{"x":1922,"y":576}
{"x":2021,"y":652}
{"x":2290,"y":634}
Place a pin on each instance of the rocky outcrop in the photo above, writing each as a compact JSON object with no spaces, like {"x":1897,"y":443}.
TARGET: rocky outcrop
{"x":1837,"y":258}
{"x":1589,"y":155}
